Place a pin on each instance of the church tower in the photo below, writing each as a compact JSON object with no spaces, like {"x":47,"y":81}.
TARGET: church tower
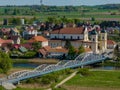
{"x":103,"y":38}
{"x":86,"y":34}
{"x":94,"y":39}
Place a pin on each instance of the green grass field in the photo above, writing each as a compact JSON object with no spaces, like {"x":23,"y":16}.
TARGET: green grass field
{"x":109,"y":79}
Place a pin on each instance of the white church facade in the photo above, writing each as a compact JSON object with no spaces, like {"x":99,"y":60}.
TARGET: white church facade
{"x":79,"y":36}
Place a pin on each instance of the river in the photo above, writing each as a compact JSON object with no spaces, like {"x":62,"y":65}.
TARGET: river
{"x":30,"y":65}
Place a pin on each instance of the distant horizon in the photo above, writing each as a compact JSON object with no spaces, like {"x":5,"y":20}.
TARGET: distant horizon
{"x":57,"y":3}
{"x":60,"y":6}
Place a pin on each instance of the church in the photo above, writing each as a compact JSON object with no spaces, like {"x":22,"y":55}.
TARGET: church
{"x":96,"y":41}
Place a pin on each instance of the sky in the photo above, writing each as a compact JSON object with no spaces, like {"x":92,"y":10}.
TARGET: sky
{"x":58,"y":2}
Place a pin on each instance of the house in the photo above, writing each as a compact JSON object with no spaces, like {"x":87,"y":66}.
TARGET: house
{"x":16,"y":39}
{"x":79,"y":36}
{"x":43,"y":51}
{"x":5,"y":42}
{"x":40,"y":39}
{"x":111,"y":44}
{"x":26,"y":45}
{"x":8,"y":32}
{"x":29,"y":32}
{"x":57,"y":52}
{"x":52,"y":52}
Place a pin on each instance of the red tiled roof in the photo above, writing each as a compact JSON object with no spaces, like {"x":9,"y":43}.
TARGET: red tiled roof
{"x":16,"y":46}
{"x":37,"y":39}
{"x":47,"y":48}
{"x":78,"y":30}
{"x":111,"y":42}
{"x":28,"y":46}
{"x":42,"y":51}
{"x":5,"y":41}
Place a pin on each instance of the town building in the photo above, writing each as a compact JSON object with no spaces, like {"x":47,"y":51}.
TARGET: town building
{"x":43,"y":41}
{"x":78,"y":36}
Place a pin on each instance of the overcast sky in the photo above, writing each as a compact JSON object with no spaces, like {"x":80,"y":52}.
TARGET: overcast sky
{"x":58,"y":2}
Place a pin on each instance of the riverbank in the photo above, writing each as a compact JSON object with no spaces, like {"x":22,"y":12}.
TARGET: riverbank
{"x":36,"y":61}
{"x":110,"y":63}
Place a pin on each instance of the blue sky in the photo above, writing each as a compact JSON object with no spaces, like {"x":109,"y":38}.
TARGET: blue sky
{"x":57,"y":2}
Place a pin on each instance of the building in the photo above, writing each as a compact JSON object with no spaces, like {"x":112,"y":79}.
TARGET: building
{"x":48,"y":52}
{"x":43,"y":41}
{"x":79,"y":36}
{"x":111,"y":44}
{"x":5,"y":42}
{"x":29,"y":32}
{"x":16,"y":39}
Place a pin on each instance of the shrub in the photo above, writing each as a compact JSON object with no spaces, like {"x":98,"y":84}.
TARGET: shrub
{"x":84,"y":71}
{"x":45,"y":81}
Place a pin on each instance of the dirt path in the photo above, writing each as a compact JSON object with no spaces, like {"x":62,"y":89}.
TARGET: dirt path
{"x":66,"y":79}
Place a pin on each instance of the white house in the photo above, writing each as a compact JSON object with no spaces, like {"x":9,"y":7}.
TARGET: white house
{"x":29,"y":32}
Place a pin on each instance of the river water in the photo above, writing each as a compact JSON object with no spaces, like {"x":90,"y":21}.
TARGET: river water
{"x":30,"y":65}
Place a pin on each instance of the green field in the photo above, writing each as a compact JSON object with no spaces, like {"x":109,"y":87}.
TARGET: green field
{"x":104,"y":79}
{"x":43,"y":12}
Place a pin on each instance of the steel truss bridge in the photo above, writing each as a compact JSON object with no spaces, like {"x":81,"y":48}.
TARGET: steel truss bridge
{"x":80,"y":61}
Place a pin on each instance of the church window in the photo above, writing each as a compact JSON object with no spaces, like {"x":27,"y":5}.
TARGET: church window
{"x":102,"y":37}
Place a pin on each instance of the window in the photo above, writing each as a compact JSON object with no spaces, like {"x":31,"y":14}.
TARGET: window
{"x":93,"y":39}
{"x":55,"y":37}
{"x":103,"y":38}
{"x":64,"y":37}
{"x":78,"y":37}
{"x":71,"y":37}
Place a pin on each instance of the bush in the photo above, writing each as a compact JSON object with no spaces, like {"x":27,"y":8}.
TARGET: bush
{"x":45,"y":81}
{"x":84,"y":71}
{"x":68,"y":71}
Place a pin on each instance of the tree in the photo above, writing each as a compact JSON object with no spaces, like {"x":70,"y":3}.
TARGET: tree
{"x":67,"y":44}
{"x":81,"y":49}
{"x":15,"y":21}
{"x":36,"y":46}
{"x":72,"y":51}
{"x":15,"y":12}
{"x":5,"y":62}
{"x":92,"y":19}
{"x":117,"y":52}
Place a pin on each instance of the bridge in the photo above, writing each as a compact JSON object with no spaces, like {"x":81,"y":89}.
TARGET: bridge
{"x":80,"y":61}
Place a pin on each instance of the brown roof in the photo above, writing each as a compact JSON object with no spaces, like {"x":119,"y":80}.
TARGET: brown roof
{"x":58,"y":50}
{"x":37,"y":39}
{"x":88,"y":50}
{"x":111,"y":42}
{"x":78,"y":30}
{"x":42,"y":51}
{"x":5,"y":41}
{"x":47,"y":48}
